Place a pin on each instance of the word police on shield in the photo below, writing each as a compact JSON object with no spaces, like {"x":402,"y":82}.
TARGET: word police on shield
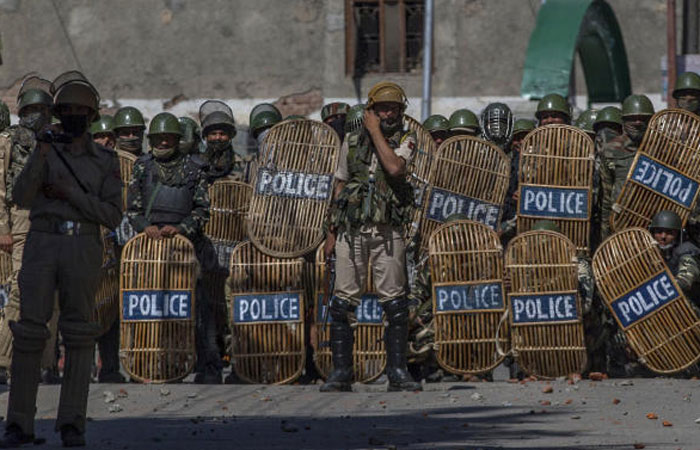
{"x":469,"y":297}
{"x":644,"y":300}
{"x":664,"y":181}
{"x":442,"y":204}
{"x":157,"y":305}
{"x":293,"y":184}
{"x":369,"y":310}
{"x":543,"y":308}
{"x":553,"y":202}
{"x":277,"y":307}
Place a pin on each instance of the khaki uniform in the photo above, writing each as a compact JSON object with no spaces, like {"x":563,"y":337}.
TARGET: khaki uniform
{"x":63,"y":252}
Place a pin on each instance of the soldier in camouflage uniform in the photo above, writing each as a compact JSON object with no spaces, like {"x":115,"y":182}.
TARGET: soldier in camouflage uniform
{"x":585,"y":122}
{"x":102,"y":131}
{"x":263,"y":117}
{"x":686,"y":91}
{"x":219,"y":129}
{"x":438,"y":126}
{"x":463,"y":122}
{"x":618,"y":155}
{"x":16,"y":144}
{"x":521,"y":128}
{"x":372,"y":205}
{"x":191,"y":140}
{"x":553,"y":109}
{"x":129,"y":127}
{"x":333,"y":115}
{"x":168,"y":195}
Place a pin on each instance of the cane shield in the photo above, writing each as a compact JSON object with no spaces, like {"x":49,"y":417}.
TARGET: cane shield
{"x":126,"y":167}
{"x":665,"y":172}
{"x":267,"y":323}
{"x":468,"y":176}
{"x":419,"y":169}
{"x":641,"y":293}
{"x":107,"y":296}
{"x":466,"y":269}
{"x":544,"y":304}
{"x":292,"y":187}
{"x":369,"y":354}
{"x":556,"y":179}
{"x":157,"y":287}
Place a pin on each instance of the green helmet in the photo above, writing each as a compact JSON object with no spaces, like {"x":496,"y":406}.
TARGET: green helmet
{"x":456,"y":216}
{"x":355,"y":118}
{"x":523,"y":126}
{"x":190,"y":134}
{"x":609,"y":114}
{"x":4,"y":116}
{"x":463,"y":119}
{"x":164,"y":123}
{"x":545,"y":225}
{"x":105,"y":124}
{"x":128,"y":116}
{"x":586,"y":119}
{"x":637,"y":105}
{"x":666,"y":219}
{"x":553,"y":103}
{"x":262,"y":116}
{"x":34,"y":97}
{"x":687,"y":81}
{"x":215,"y":114}
{"x":436,"y":122}
{"x":334,"y":109}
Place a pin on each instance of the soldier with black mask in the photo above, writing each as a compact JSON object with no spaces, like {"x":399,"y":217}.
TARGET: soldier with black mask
{"x":333,"y":115}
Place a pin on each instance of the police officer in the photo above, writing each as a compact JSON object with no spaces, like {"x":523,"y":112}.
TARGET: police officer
{"x":72,"y":186}
{"x":521,"y":128}
{"x":618,"y":154}
{"x":463,"y":122}
{"x":191,"y":139}
{"x":497,"y":124}
{"x":585,"y":122}
{"x":438,"y":126}
{"x":334,"y":115}
{"x":219,"y":129}
{"x":168,"y":195}
{"x":372,"y":205}
{"x":553,"y":109}
{"x":687,"y":92}
{"x":263,"y":117}
{"x":129,"y":127}
{"x":607,"y":126}
{"x":103,"y":132}
{"x":16,"y":144}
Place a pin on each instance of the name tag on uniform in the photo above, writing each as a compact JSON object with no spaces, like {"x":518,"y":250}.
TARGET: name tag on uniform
{"x":442,"y":204}
{"x":664,"y":181}
{"x":369,"y":311}
{"x":157,"y":305}
{"x":555,"y":203}
{"x":468,"y":297}
{"x":644,"y":300}
{"x":293,"y":184}
{"x":556,"y":307}
{"x":270,"y":307}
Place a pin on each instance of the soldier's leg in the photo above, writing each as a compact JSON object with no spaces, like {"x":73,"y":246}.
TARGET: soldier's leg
{"x":209,"y":365}
{"x":108,"y":345}
{"x":49,"y":363}
{"x":78,"y":277}
{"x":388,"y":259}
{"x":351,"y":258}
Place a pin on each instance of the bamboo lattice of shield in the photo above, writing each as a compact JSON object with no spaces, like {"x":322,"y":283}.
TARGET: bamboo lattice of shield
{"x":158,"y":350}
{"x":665,"y":172}
{"x":468,"y":176}
{"x":126,"y":168}
{"x":107,"y":296}
{"x":556,"y":167}
{"x":369,"y":355}
{"x":542,"y":268}
{"x":466,"y":268}
{"x":419,"y":169}
{"x":292,"y":187}
{"x":267,"y":348}
{"x":665,"y":336}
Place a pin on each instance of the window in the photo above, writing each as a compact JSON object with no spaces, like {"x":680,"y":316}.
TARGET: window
{"x":383,"y":35}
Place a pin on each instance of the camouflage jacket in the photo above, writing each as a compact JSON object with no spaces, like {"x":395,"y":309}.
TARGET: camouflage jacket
{"x":616,"y":160}
{"x":16,"y":144}
{"x":682,"y":260}
{"x":224,"y":164}
{"x":179,"y":172}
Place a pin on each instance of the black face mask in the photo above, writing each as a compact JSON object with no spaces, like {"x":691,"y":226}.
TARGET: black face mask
{"x":218,"y":146}
{"x":74,"y":125}
{"x":130,"y":144}
{"x":338,"y":125}
{"x":391,"y":126}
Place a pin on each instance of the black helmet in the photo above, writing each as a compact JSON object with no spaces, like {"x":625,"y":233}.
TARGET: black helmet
{"x":666,"y":219}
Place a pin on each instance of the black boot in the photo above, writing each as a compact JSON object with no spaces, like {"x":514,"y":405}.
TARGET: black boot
{"x":340,"y":379}
{"x":395,"y":338}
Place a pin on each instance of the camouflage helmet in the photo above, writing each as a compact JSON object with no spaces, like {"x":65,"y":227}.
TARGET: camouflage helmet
{"x":215,"y":114}
{"x":523,"y":126}
{"x":105,"y":124}
{"x":164,"y":123}
{"x":72,"y":88}
{"x":4,"y":116}
{"x":355,"y":118}
{"x":454,"y":217}
{"x":334,"y":109}
{"x":553,"y":103}
{"x":387,"y":91}
{"x":637,"y":105}
{"x":128,"y":116}
{"x":687,"y":81}
{"x":33,"y":97}
{"x":609,"y":114}
{"x":463,"y":119}
{"x":586,"y":120}
{"x":545,"y":225}
{"x":262,"y":116}
{"x":436,"y":122}
{"x":190,"y":133}
{"x":666,"y":219}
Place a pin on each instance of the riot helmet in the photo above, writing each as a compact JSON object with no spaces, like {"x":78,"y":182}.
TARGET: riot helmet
{"x":497,"y":123}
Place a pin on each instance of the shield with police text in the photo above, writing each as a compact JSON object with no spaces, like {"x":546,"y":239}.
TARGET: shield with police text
{"x":556,"y":179}
{"x":369,"y":356}
{"x":292,"y":187}
{"x":126,"y":167}
{"x":157,"y":287}
{"x":466,"y":269}
{"x":642,"y":294}
{"x":107,"y":296}
{"x":544,"y":304}
{"x":468,"y":176}
{"x":665,"y":172}
{"x":267,"y":323}
{"x":419,"y":169}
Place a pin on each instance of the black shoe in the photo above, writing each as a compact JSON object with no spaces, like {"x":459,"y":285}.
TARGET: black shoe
{"x":111,"y":377}
{"x":71,"y":437}
{"x":14,"y":437}
{"x":50,"y":376}
{"x":395,"y":338}
{"x":208,"y":377}
{"x":340,"y":380}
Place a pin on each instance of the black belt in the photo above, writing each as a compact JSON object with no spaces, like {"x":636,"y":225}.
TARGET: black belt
{"x":65,"y":227}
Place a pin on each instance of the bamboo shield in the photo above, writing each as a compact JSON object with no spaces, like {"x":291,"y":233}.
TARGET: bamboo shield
{"x":292,"y":187}
{"x":544,"y":304}
{"x":556,"y":180}
{"x":157,"y":287}
{"x":267,"y":320}
{"x":665,"y":173}
{"x":640,"y":291}
{"x":107,"y":296}
{"x":126,"y":168}
{"x":466,"y":268}
{"x":419,"y":169}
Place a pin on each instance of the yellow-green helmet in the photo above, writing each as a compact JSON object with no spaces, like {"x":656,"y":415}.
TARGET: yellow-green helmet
{"x":102,"y":125}
{"x":454,"y":217}
{"x":687,"y":81}
{"x":387,"y":91}
{"x":523,"y":126}
{"x":586,"y":120}
{"x":609,"y":114}
{"x":463,"y":119}
{"x":553,"y":103}
{"x":637,"y":105}
{"x":127,"y":117}
{"x":436,"y":122}
{"x":164,"y":123}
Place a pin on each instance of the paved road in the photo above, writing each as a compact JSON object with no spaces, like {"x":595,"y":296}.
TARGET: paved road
{"x":445,"y":416}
